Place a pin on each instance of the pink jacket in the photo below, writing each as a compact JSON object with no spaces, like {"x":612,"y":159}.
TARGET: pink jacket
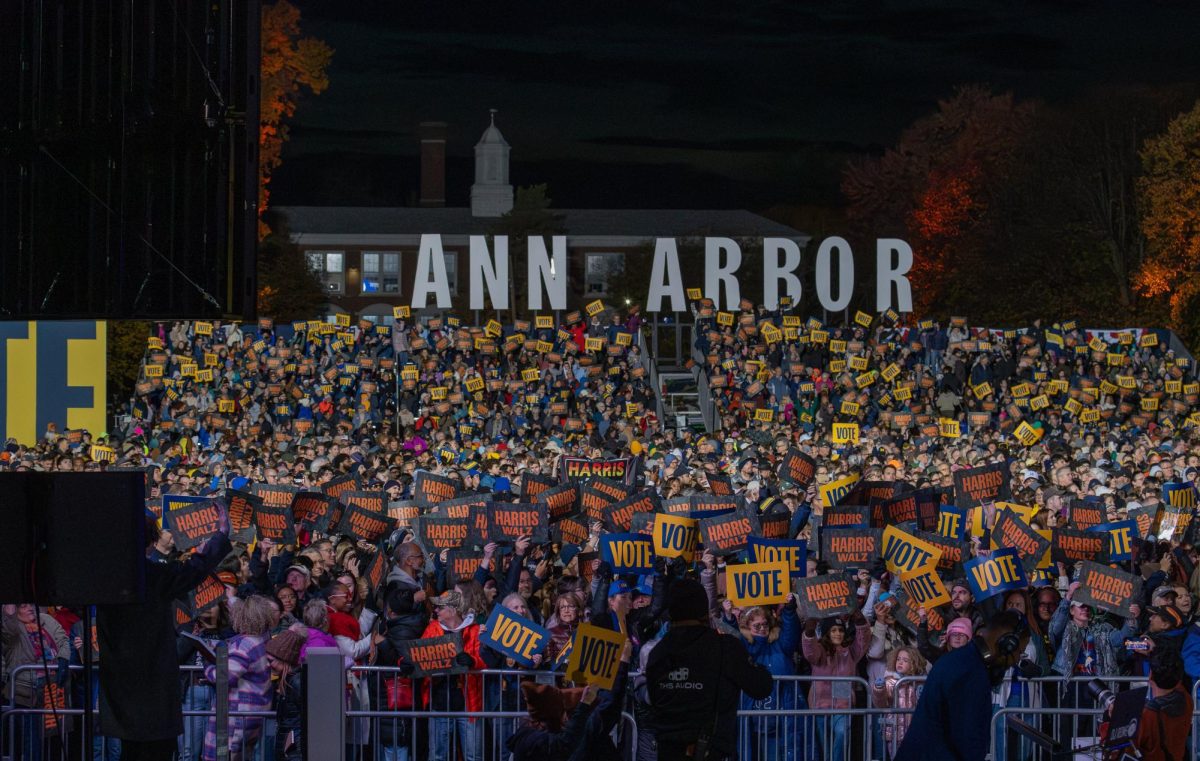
{"x":888,"y":695}
{"x":844,"y":662}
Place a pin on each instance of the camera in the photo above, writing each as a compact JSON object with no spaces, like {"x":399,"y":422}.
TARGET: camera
{"x":1099,"y":691}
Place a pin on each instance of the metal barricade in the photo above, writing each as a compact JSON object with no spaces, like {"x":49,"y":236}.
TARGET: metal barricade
{"x":1000,"y":737}
{"x":47,"y":732}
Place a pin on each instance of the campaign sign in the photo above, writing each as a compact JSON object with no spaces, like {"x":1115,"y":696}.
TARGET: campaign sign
{"x":514,"y":636}
{"x":1179,"y":495}
{"x":1107,"y":588}
{"x":560,"y":501}
{"x":628,"y":553}
{"x":461,"y":564}
{"x":583,"y":469}
{"x":794,"y":552}
{"x":1068,"y":545}
{"x":571,"y":530}
{"x":834,"y":492}
{"x":374,"y":501}
{"x":775,"y":524}
{"x":824,"y":596}
{"x":375,"y":570}
{"x":1121,"y":536}
{"x":618,"y":516}
{"x":437,"y":533}
{"x":275,"y":495}
{"x":339,"y":486}
{"x":595,"y":656}
{"x":757,"y":583}
{"x":192,"y":523}
{"x":902,"y":509}
{"x":708,"y":505}
{"x":797,"y":468}
{"x":1147,"y":519}
{"x":534,"y":484}
{"x":846,"y":548}
{"x":992,"y":574}
{"x":434,"y":655}
{"x":1083,"y":515}
{"x":952,"y":522}
{"x":432,"y":489}
{"x":241,"y":506}
{"x":847,"y":516}
{"x":313,"y":510}
{"x":508,"y":521}
{"x":206,"y":595}
{"x":903,"y":552}
{"x":866,"y":492}
{"x":173,"y":502}
{"x":598,"y":494}
{"x":674,"y":536}
{"x":365,"y":524}
{"x":925,"y":587}
{"x":403,"y":511}
{"x":642,"y":523}
{"x":908,"y":615}
{"x":1011,"y":531}
{"x":929,"y":504}
{"x":975,"y":486}
{"x":954,"y":552}
{"x":726,"y":534}
{"x":719,"y":484}
{"x":275,"y":523}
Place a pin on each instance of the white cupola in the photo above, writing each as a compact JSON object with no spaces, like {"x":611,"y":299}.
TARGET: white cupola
{"x":491,"y":195}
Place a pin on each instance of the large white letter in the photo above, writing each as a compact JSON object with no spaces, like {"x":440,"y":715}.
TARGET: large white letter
{"x":665,"y":279}
{"x":845,"y":274}
{"x":885,"y":275}
{"x":541,"y":271}
{"x":773,"y":271}
{"x":715,"y":274}
{"x":484,"y":270}
{"x":429,"y":254}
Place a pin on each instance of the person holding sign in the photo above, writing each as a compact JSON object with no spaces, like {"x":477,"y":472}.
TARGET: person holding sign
{"x":831,"y":656}
{"x":455,"y":692}
{"x":555,"y":731}
{"x":774,"y":648}
{"x":694,"y":677}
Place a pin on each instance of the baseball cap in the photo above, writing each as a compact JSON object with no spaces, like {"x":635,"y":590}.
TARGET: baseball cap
{"x":1169,"y":613}
{"x":618,"y":587}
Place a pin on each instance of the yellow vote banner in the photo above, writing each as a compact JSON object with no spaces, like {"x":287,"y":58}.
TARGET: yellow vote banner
{"x":757,"y":583}
{"x":924,"y":587}
{"x":595,"y":656}
{"x":675,"y":536}
{"x":904,"y":553}
{"x":52,"y":372}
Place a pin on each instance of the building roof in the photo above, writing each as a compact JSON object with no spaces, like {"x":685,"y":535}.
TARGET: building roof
{"x":623,"y":223}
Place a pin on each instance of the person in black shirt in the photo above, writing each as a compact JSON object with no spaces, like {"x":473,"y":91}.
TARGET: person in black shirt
{"x":695,"y":677}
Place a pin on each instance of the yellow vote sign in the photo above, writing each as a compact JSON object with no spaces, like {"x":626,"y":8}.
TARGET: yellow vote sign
{"x":845,"y":433}
{"x":675,"y":536}
{"x":834,"y":491}
{"x":757,"y":583}
{"x":595,"y":656}
{"x":904,"y":553}
{"x":924,"y":587}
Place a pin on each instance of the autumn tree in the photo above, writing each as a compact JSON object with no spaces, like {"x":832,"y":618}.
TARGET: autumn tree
{"x":290,"y":64}
{"x":1170,"y":218}
{"x":934,"y":189}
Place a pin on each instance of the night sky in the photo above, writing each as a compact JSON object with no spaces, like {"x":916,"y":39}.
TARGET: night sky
{"x":687,"y":104}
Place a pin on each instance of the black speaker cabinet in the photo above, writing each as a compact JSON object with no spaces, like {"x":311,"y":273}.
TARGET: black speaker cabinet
{"x":72,"y":538}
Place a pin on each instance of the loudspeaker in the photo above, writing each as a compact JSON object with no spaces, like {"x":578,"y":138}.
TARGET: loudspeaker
{"x":72,"y":538}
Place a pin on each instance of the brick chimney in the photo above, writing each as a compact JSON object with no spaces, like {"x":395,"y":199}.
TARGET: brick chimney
{"x":433,"y":164}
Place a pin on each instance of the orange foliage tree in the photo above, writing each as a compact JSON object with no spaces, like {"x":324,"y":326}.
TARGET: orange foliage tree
{"x":933,"y":189}
{"x":290,"y":64}
{"x":1170,"y":219}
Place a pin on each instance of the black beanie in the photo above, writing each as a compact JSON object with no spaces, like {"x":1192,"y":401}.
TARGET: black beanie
{"x":688,"y":601}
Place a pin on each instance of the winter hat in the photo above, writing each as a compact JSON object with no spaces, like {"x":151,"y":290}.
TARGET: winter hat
{"x":688,"y":601}
{"x":961,"y":626}
{"x":1172,"y":615}
{"x":285,"y":647}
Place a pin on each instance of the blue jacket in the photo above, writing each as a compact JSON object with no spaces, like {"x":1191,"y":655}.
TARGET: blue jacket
{"x":1191,"y":652}
{"x":953,"y":716}
{"x":778,"y":657}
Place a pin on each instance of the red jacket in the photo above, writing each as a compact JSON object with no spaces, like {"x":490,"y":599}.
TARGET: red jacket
{"x":473,"y":687}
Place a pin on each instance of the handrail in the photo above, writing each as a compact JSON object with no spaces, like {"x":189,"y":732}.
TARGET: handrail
{"x":651,"y":367}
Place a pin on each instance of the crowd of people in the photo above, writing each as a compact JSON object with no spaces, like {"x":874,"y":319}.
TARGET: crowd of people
{"x":1078,"y":422}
